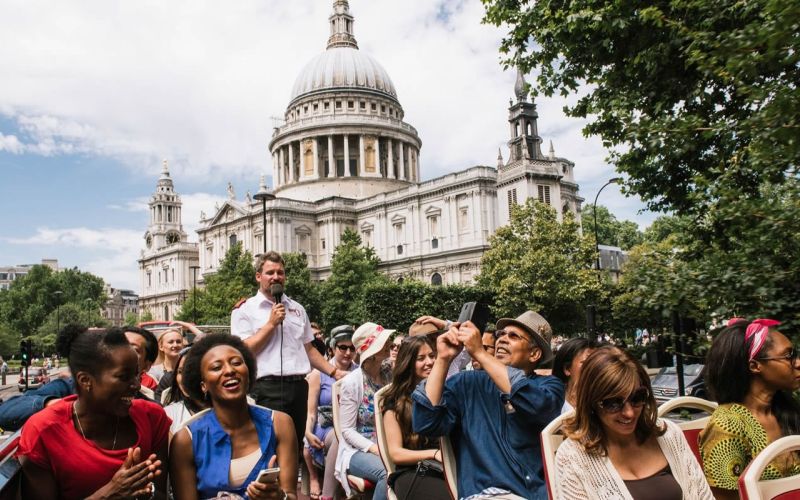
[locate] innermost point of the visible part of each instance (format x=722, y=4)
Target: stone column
x=389, y=159
x=276, y=178
x=281, y=172
x=291, y=163
x=378, y=156
x=402, y=147
x=362, y=161
x=346, y=156
x=315, y=163
x=331, y=162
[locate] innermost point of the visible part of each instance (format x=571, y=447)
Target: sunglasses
x=345, y=348
x=514, y=336
x=791, y=356
x=637, y=399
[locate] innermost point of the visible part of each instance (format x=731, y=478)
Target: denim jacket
x=495, y=435
x=212, y=452
x=17, y=410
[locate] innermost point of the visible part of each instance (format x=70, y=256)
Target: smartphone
x=475, y=312
x=268, y=475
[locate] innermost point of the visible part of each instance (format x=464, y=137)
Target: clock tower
x=166, y=262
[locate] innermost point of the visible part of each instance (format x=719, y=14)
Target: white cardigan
x=580, y=475
x=350, y=397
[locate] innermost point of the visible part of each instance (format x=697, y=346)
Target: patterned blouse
x=729, y=442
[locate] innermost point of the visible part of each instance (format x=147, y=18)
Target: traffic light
x=25, y=352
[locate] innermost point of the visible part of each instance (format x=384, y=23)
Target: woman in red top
x=100, y=443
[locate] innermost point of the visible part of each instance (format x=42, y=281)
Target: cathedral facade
x=344, y=157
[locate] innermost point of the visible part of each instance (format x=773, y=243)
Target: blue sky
x=93, y=95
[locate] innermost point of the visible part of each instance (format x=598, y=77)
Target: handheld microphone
x=276, y=289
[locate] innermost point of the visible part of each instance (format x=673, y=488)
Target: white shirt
x=296, y=332
x=351, y=397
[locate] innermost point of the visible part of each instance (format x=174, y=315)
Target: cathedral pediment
x=229, y=210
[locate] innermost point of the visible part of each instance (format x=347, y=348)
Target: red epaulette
x=239, y=304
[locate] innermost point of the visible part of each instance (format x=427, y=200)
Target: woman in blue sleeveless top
x=225, y=449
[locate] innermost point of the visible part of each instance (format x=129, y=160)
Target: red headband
x=757, y=333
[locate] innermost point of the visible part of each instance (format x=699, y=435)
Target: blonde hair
x=609, y=372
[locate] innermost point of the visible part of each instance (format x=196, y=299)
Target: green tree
x=44, y=340
x=610, y=230
x=697, y=102
x=398, y=305
x=26, y=305
x=539, y=263
x=694, y=96
x=300, y=287
x=130, y=319
x=353, y=267
x=234, y=280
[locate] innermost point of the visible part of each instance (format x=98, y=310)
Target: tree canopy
x=32, y=302
x=536, y=262
x=694, y=96
x=353, y=267
x=235, y=279
x=697, y=103
x=610, y=230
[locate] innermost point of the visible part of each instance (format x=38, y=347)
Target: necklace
x=80, y=427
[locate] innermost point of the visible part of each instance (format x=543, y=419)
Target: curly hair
x=404, y=380
x=192, y=375
x=607, y=373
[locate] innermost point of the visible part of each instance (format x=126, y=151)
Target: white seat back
x=751, y=487
x=552, y=437
x=450, y=466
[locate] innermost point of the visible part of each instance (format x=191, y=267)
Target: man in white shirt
x=280, y=336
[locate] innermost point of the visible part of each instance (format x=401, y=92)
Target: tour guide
x=280, y=336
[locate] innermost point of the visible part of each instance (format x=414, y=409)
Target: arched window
x=166, y=313
x=436, y=279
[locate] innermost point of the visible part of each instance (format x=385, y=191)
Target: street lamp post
x=613, y=180
x=58, y=294
x=591, y=311
x=194, y=293
x=263, y=195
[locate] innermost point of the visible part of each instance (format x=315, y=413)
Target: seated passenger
x=322, y=446
x=751, y=371
x=17, y=410
x=224, y=450
x=358, y=452
x=179, y=406
x=102, y=442
x=567, y=365
x=418, y=459
x=494, y=416
x=616, y=446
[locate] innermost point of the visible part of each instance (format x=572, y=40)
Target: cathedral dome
x=343, y=68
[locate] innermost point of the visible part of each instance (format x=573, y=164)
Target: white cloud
x=10, y=144
x=110, y=253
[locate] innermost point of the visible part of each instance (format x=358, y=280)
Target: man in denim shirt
x=493, y=416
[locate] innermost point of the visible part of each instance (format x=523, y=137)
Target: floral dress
x=366, y=412
x=729, y=442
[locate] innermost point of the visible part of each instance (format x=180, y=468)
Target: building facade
x=345, y=158
x=8, y=274
x=119, y=303
x=165, y=264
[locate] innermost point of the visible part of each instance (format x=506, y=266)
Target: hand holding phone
x=268, y=475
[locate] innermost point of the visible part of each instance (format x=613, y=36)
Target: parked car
x=36, y=378
x=665, y=384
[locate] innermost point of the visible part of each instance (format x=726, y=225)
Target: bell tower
x=525, y=143
x=165, y=227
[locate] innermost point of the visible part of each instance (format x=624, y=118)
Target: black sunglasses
x=345, y=348
x=637, y=399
